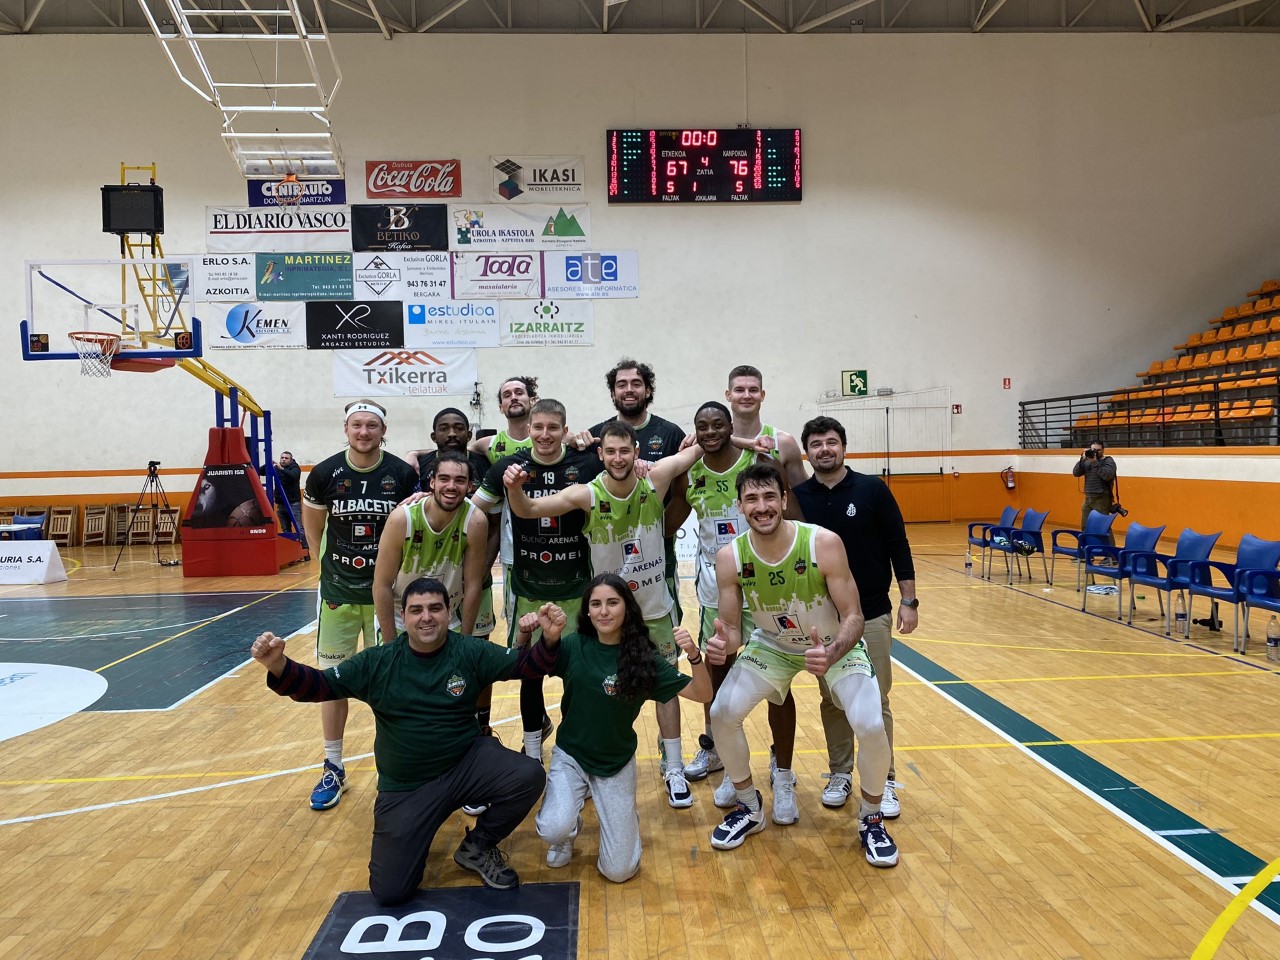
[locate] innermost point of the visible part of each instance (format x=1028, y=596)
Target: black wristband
x=694, y=663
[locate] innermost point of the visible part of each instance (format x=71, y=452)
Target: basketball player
x=804, y=603
x=348, y=499
x=624, y=526
x=516, y=397
x=551, y=561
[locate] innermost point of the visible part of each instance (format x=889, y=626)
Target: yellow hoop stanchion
x=1226, y=920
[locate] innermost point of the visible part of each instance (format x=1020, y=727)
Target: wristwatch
x=913, y=603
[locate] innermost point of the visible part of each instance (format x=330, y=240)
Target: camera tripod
x=153, y=492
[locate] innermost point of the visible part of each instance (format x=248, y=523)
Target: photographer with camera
x=1099, y=472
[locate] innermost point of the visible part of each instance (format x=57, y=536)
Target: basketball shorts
x=341, y=625
x=778, y=669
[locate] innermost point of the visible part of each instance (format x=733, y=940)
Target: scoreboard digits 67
x=703, y=166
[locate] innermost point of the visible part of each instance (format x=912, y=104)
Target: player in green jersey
x=516, y=397
x=624, y=520
x=610, y=666
x=804, y=603
x=347, y=501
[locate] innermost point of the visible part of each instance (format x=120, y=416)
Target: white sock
x=783, y=774
x=750, y=799
x=868, y=809
x=333, y=752
x=533, y=744
x=672, y=748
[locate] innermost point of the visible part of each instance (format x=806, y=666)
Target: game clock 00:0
x=703, y=166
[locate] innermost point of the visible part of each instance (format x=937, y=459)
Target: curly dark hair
x=637, y=666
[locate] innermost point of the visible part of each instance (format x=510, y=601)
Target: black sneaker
x=881, y=850
x=489, y=862
x=547, y=727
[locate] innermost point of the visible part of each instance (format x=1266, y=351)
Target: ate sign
x=853, y=383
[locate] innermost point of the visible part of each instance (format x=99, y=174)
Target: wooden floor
x=1022, y=727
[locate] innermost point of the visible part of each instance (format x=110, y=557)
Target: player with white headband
x=347, y=501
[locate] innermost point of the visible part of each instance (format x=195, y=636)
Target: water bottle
x=968, y=563
x=1273, y=640
x=1180, y=614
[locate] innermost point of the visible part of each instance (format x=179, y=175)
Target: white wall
x=1056, y=209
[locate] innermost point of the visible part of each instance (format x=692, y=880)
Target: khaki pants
x=1100, y=502
x=878, y=636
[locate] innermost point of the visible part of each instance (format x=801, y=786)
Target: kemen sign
x=404, y=373
x=255, y=325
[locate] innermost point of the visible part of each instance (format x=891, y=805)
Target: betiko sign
x=404, y=373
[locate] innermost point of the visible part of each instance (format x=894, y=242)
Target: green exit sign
x=853, y=383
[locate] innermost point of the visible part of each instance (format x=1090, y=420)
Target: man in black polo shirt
x=861, y=510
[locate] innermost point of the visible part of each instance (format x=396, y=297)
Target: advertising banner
x=404, y=373
x=457, y=324
x=255, y=325
x=262, y=193
x=303, y=276
x=416, y=277
x=538, y=179
x=225, y=277
x=404, y=226
x=354, y=324
x=547, y=323
x=591, y=276
x=496, y=276
x=531, y=226
x=248, y=229
x=412, y=179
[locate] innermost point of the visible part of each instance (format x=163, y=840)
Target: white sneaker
x=837, y=790
x=784, y=799
x=705, y=762
x=559, y=854
x=889, y=805
x=725, y=796
x=738, y=824
x=881, y=850
x=475, y=811
x=678, y=793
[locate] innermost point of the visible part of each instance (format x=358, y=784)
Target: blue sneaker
x=331, y=787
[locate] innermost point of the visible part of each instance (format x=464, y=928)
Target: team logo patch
x=331, y=605
x=417, y=538
x=610, y=685
x=633, y=585
x=851, y=511
x=631, y=552
x=549, y=523
x=699, y=483
x=456, y=685
x=388, y=484
x=749, y=570
x=786, y=623
x=606, y=506
x=726, y=528
x=571, y=473
x=800, y=566
x=363, y=532
x=344, y=486
x=655, y=444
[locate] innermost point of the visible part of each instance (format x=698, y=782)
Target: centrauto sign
x=354, y=324
x=404, y=373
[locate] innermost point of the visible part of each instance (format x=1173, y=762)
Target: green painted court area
x=1217, y=855
x=154, y=650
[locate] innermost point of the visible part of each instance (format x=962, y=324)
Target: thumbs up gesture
x=268, y=650
x=816, y=660
x=718, y=644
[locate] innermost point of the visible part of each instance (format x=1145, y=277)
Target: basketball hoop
x=289, y=191
x=96, y=351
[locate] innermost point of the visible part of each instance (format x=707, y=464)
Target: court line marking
x=32, y=818
x=1088, y=650
x=1217, y=931
x=1194, y=862
x=234, y=610
x=132, y=596
x=1111, y=676
x=114, y=633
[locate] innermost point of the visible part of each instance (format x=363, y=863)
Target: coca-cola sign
x=413, y=179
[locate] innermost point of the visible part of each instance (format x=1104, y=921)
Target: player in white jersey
x=804, y=602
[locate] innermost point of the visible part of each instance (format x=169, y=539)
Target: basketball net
x=96, y=351
x=289, y=191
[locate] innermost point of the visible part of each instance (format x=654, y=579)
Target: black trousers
x=405, y=822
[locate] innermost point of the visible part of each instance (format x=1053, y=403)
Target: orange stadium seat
x=1231, y=313
x=1272, y=349
x=1274, y=325
x=1201, y=361
x=1217, y=358
x=1241, y=330
x=1258, y=328
x=1262, y=306
x=1209, y=336
x=1245, y=309
x=1235, y=355
x=1184, y=362
x=1169, y=366
x=1194, y=340
x=1253, y=352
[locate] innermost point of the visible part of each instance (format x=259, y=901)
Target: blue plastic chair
x=982, y=539
x=34, y=525
x=1254, y=554
x=1145, y=570
x=1137, y=539
x=1260, y=588
x=1022, y=541
x=1097, y=529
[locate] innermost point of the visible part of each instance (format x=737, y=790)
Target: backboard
x=145, y=301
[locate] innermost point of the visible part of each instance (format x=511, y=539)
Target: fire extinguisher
x=1010, y=481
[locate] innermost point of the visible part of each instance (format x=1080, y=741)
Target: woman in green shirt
x=610, y=667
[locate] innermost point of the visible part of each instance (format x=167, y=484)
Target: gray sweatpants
x=568, y=787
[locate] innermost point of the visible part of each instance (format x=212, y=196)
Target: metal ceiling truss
x=390, y=17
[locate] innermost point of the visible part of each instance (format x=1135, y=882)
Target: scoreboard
x=703, y=166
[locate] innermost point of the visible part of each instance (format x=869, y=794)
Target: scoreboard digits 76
x=702, y=165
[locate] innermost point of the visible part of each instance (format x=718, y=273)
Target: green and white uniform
x=503, y=446
x=434, y=553
x=714, y=498
x=787, y=600
x=625, y=534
